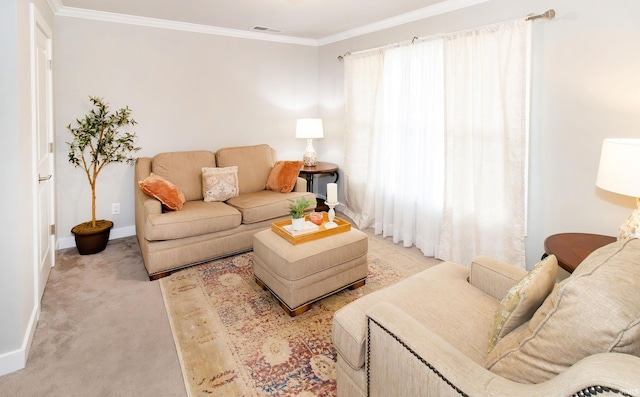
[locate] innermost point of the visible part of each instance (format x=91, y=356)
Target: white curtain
x=410, y=130
x=363, y=75
x=486, y=89
x=396, y=137
x=436, y=142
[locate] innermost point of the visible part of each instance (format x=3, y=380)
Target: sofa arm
x=144, y=205
x=494, y=277
x=404, y=358
x=301, y=185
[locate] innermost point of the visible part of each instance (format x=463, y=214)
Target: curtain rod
x=549, y=14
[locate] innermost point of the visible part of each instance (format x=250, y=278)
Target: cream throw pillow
x=596, y=310
x=219, y=184
x=523, y=299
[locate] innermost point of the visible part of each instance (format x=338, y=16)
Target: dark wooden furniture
x=572, y=248
x=320, y=168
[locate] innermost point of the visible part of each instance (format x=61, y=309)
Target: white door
x=42, y=124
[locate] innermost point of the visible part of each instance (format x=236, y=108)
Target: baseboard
x=15, y=360
x=69, y=242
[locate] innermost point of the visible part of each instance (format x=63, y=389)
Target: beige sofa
x=201, y=231
x=428, y=335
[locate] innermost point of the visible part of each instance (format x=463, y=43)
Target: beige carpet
x=233, y=339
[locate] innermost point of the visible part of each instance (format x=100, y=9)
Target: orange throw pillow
x=283, y=176
x=168, y=193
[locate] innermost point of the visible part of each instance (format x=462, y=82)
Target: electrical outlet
x=115, y=208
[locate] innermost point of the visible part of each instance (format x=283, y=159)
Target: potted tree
x=296, y=209
x=98, y=141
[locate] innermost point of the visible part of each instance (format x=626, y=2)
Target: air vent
x=265, y=29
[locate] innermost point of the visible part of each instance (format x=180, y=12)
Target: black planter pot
x=92, y=240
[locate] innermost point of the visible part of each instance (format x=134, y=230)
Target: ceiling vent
x=265, y=29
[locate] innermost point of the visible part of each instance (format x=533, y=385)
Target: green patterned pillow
x=523, y=299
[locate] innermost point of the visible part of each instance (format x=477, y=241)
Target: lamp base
x=631, y=227
x=310, y=158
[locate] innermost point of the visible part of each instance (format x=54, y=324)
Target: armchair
x=428, y=335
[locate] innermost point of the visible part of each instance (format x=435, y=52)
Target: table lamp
x=619, y=172
x=309, y=129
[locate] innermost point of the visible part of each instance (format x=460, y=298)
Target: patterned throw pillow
x=283, y=176
x=161, y=189
x=219, y=184
x=523, y=299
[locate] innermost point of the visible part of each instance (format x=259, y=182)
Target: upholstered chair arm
x=301, y=185
x=494, y=277
x=406, y=359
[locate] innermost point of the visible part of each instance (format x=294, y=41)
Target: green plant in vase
x=296, y=209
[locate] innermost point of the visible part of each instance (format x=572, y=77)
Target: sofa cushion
x=163, y=190
x=195, y=219
x=283, y=176
x=595, y=310
x=184, y=169
x=254, y=165
x=219, y=184
x=455, y=310
x=523, y=299
x=265, y=204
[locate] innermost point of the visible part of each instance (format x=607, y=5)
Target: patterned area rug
x=233, y=339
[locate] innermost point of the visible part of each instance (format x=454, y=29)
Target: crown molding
x=104, y=16
x=439, y=8
x=412, y=16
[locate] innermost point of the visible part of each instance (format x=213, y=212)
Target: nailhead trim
x=595, y=390
x=428, y=365
x=586, y=392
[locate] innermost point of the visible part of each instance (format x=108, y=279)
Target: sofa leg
x=158, y=276
x=358, y=284
x=261, y=284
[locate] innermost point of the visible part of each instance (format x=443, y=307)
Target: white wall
x=187, y=91
x=586, y=87
x=18, y=305
x=190, y=90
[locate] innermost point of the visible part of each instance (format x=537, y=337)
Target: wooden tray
x=278, y=228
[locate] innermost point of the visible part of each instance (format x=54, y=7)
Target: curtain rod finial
x=549, y=14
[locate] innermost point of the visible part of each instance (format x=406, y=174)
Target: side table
x=319, y=169
x=572, y=248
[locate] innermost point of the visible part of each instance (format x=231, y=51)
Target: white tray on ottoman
x=298, y=275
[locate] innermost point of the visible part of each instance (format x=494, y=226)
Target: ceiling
x=313, y=20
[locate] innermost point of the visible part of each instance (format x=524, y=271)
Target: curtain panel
x=486, y=96
x=364, y=73
x=435, y=149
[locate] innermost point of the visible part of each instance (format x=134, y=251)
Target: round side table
x=572, y=248
x=319, y=169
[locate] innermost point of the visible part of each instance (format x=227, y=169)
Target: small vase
x=297, y=224
x=316, y=217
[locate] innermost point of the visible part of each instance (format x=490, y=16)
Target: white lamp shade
x=309, y=128
x=619, y=169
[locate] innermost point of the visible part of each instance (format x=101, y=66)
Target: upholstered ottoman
x=298, y=275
